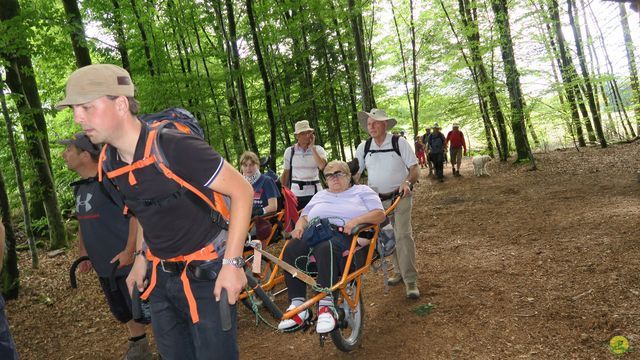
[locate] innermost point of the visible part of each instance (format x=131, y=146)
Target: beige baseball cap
x=91, y=82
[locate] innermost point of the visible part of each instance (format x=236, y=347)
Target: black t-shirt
x=104, y=229
x=175, y=221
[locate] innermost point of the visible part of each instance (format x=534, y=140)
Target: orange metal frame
x=275, y=278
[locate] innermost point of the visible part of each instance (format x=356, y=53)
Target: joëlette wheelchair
x=347, y=335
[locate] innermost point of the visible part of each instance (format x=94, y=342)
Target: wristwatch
x=237, y=261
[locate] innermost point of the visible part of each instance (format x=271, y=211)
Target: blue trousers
x=177, y=337
x=7, y=346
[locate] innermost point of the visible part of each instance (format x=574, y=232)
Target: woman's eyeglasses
x=335, y=175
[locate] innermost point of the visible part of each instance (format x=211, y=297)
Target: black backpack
x=394, y=146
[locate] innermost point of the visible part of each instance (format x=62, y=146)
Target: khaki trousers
x=404, y=258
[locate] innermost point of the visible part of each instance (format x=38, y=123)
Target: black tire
x=347, y=336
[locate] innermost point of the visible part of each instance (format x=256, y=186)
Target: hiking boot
x=394, y=279
x=412, y=291
x=295, y=321
x=326, y=321
x=138, y=350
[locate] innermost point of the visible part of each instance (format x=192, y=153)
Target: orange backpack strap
x=101, y=159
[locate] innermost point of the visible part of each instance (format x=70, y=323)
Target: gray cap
x=82, y=142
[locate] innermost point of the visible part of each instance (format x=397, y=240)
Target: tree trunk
x=225, y=58
x=414, y=64
x=368, y=101
x=346, y=61
x=404, y=64
x=121, y=39
x=614, y=83
x=221, y=131
x=513, y=82
x=468, y=16
x=143, y=35
x=10, y=275
x=593, y=105
x=278, y=83
x=236, y=75
x=266, y=83
x=631, y=59
x=486, y=121
x=21, y=81
x=78, y=39
x=482, y=102
x=19, y=180
x=46, y=191
x=565, y=65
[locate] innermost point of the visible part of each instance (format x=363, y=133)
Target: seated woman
x=265, y=195
x=345, y=206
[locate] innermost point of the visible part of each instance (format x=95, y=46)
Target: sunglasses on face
x=335, y=175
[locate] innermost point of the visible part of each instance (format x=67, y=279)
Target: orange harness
x=206, y=253
x=153, y=155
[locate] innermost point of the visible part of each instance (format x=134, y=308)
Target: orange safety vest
x=153, y=155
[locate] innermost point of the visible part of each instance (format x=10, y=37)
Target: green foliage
x=187, y=65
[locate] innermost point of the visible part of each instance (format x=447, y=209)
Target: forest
x=520, y=76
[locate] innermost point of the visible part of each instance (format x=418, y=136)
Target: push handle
x=225, y=310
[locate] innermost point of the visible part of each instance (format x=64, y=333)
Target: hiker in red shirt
x=456, y=143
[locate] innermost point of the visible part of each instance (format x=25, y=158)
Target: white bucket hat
x=455, y=125
x=436, y=126
x=302, y=126
x=377, y=115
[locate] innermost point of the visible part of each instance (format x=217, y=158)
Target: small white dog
x=480, y=165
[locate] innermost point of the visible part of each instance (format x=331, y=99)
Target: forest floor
x=522, y=264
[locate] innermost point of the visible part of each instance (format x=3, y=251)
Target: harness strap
x=219, y=200
x=206, y=253
x=129, y=169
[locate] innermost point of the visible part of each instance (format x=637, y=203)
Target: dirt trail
x=521, y=264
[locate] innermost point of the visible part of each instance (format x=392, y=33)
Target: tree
x=513, y=81
x=266, y=83
x=469, y=19
x=19, y=179
x=631, y=59
x=565, y=66
x=593, y=105
x=368, y=101
x=22, y=83
x=78, y=40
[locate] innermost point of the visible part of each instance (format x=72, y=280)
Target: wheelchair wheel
x=347, y=336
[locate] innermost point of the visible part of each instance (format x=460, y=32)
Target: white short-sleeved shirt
x=344, y=206
x=304, y=168
x=386, y=170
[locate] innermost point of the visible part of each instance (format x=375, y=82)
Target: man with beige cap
x=176, y=229
x=302, y=164
x=389, y=171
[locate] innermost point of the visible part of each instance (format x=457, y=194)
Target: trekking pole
x=72, y=271
x=140, y=310
x=112, y=276
x=225, y=310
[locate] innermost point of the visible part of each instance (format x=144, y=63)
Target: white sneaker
x=296, y=320
x=326, y=322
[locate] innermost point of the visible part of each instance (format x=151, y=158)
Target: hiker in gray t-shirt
x=106, y=236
